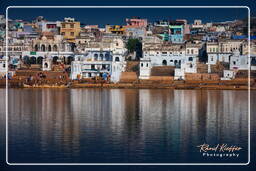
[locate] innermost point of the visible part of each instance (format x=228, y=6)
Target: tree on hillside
x=203, y=57
x=135, y=45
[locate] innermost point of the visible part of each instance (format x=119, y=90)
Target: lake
x=124, y=125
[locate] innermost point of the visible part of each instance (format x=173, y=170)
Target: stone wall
x=162, y=71
x=201, y=76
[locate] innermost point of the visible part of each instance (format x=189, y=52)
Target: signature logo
x=219, y=150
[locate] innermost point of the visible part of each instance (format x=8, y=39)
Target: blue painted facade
x=176, y=33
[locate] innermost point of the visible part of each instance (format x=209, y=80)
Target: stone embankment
x=54, y=79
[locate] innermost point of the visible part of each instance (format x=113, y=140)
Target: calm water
x=122, y=125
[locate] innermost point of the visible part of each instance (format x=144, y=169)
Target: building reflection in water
x=122, y=125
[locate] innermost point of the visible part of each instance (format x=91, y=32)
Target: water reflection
x=122, y=125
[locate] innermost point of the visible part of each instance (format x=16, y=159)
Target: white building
x=145, y=68
x=238, y=62
x=98, y=63
x=183, y=58
x=228, y=75
x=2, y=67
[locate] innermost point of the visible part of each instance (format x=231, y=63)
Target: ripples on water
x=123, y=125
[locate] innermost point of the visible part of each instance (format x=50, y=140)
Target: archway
x=39, y=60
x=55, y=60
x=70, y=59
x=175, y=62
x=26, y=60
x=36, y=48
x=32, y=60
x=55, y=48
x=117, y=59
x=164, y=62
x=95, y=57
x=43, y=48
x=49, y=48
x=46, y=65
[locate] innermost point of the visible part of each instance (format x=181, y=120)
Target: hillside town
x=140, y=53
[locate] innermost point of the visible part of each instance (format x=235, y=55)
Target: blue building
x=176, y=33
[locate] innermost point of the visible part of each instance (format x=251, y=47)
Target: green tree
x=135, y=45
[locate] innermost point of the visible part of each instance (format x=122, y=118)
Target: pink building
x=136, y=22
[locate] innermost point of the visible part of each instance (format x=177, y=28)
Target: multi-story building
x=176, y=33
x=222, y=50
x=99, y=63
x=136, y=22
x=70, y=29
x=182, y=57
x=115, y=29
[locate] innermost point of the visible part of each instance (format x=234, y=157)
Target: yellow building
x=116, y=29
x=70, y=29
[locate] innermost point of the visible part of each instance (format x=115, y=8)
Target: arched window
x=164, y=62
x=70, y=59
x=32, y=60
x=49, y=48
x=55, y=59
x=43, y=48
x=101, y=57
x=55, y=48
x=26, y=59
x=96, y=56
x=117, y=58
x=39, y=60
x=36, y=47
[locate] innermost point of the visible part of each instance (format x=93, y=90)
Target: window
x=141, y=64
x=92, y=66
x=72, y=33
x=71, y=25
x=190, y=59
x=192, y=51
x=63, y=25
x=147, y=64
x=171, y=60
x=164, y=62
x=63, y=33
x=164, y=53
x=96, y=57
x=117, y=59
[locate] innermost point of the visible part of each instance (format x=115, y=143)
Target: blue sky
x=117, y=16
x=104, y=16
